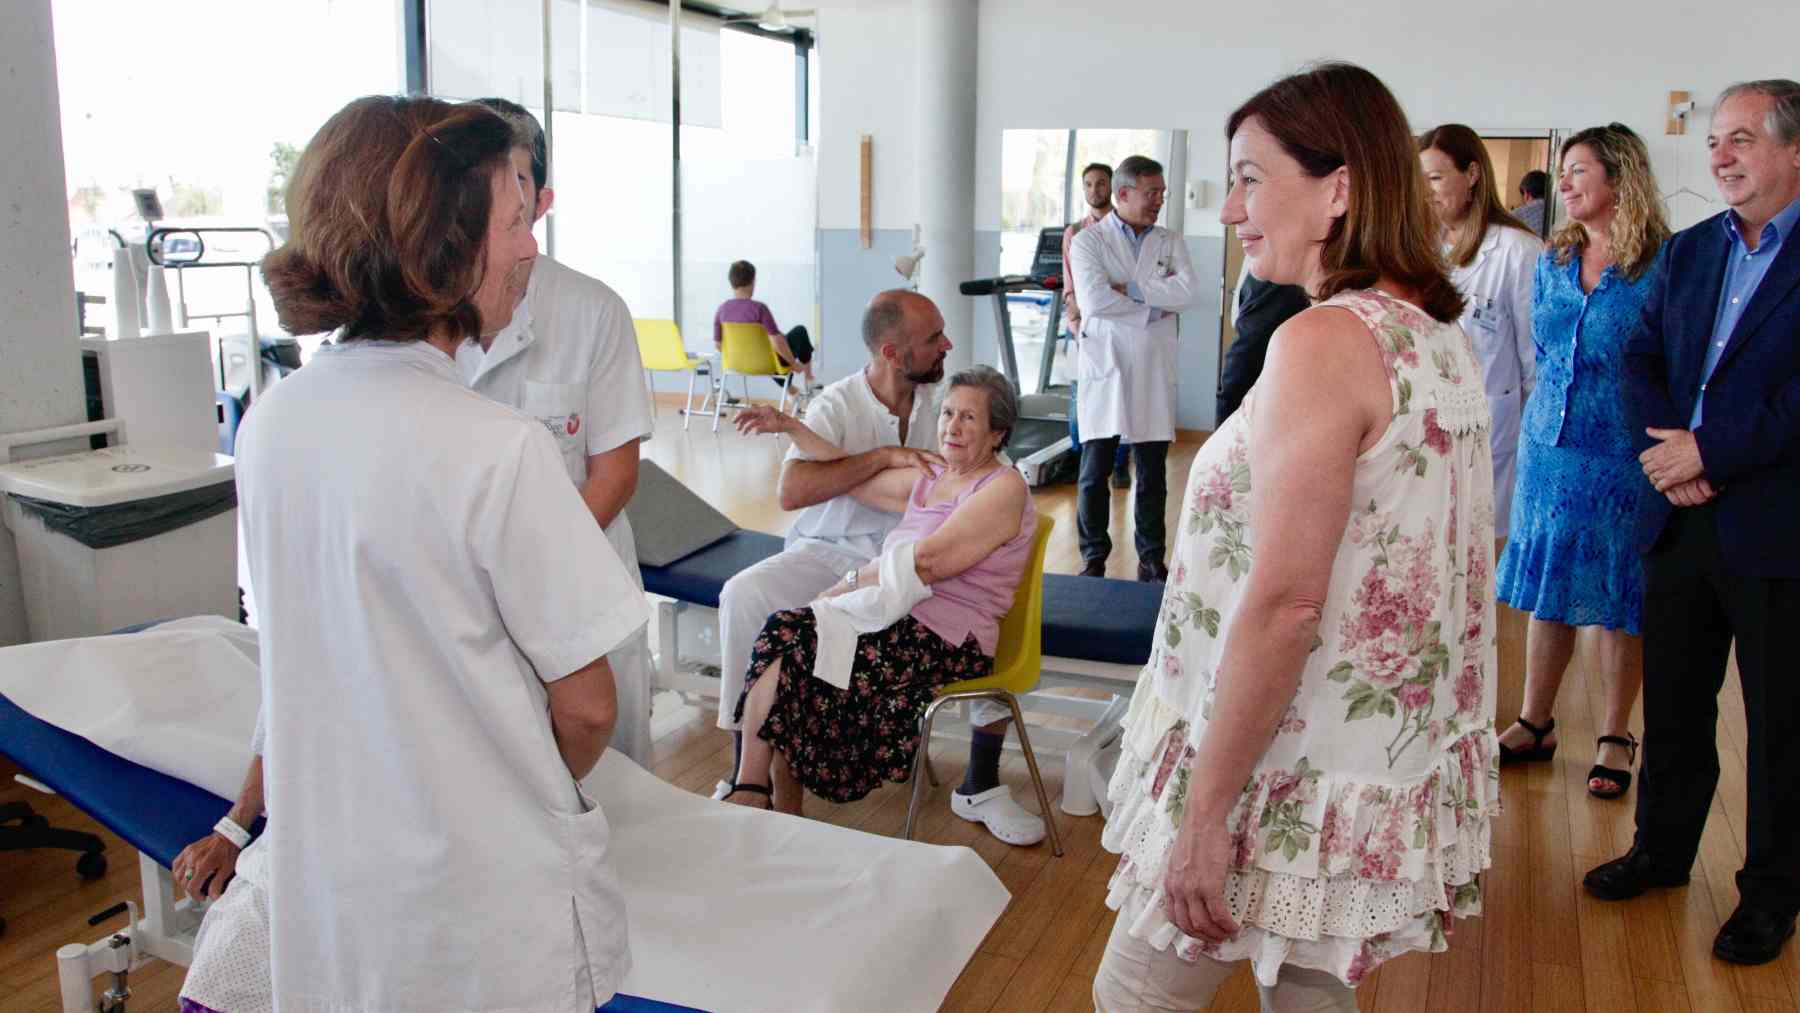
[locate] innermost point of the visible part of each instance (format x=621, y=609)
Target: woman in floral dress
x=1309, y=772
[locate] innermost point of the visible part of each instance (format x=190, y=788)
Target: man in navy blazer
x=1713, y=385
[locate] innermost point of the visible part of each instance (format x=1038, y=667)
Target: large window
x=748, y=192
x=747, y=189
x=1040, y=188
x=208, y=102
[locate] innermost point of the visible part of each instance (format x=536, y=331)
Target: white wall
x=866, y=86
x=40, y=385
x=1175, y=64
x=1533, y=64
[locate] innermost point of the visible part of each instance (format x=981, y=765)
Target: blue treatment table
x=158, y=815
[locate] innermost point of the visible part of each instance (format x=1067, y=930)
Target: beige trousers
x=1136, y=977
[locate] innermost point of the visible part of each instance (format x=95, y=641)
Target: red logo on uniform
x=573, y=426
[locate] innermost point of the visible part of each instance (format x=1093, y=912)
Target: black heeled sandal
x=1622, y=778
x=1537, y=752
x=754, y=789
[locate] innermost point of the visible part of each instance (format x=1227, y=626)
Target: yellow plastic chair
x=1018, y=659
x=663, y=351
x=746, y=351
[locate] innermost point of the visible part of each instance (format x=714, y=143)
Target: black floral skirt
x=843, y=743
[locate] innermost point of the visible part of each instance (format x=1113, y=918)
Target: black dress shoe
x=1625, y=878
x=1753, y=935
x=1153, y=572
x=1094, y=568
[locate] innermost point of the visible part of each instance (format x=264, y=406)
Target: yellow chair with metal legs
x=663, y=351
x=1018, y=659
x=746, y=351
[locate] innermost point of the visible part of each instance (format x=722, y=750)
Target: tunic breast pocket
x=560, y=407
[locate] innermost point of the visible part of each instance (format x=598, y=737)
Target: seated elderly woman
x=969, y=528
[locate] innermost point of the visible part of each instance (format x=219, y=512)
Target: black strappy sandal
x=754, y=789
x=1622, y=778
x=1537, y=752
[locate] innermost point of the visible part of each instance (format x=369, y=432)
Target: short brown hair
x=389, y=214
x=741, y=274
x=1338, y=115
x=1463, y=147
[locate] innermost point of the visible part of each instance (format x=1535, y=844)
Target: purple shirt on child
x=742, y=311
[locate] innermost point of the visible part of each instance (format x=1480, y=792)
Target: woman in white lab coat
x=437, y=601
x=1493, y=258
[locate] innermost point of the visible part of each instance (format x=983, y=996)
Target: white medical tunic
x=1496, y=289
x=424, y=569
x=848, y=415
x=569, y=359
x=1125, y=355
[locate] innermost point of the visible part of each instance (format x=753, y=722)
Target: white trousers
x=788, y=580
x=1136, y=977
x=634, y=674
x=633, y=677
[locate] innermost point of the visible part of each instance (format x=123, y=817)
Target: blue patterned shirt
x=1744, y=271
x=1579, y=399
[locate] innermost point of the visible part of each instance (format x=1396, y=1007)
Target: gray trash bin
x=122, y=535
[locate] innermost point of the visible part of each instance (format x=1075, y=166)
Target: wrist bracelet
x=229, y=829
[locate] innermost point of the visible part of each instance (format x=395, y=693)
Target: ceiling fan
x=776, y=18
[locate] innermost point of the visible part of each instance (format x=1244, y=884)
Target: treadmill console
x=1047, y=264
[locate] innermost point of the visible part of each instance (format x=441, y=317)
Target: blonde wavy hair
x=1639, y=227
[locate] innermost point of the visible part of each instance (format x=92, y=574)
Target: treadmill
x=1040, y=447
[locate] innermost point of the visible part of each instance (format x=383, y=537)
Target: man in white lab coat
x=569, y=359
x=1131, y=278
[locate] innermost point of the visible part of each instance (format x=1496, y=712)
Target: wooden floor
x=1542, y=945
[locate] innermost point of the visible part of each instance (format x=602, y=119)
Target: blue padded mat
x=1100, y=620
x=623, y=1003
x=698, y=577
x=1084, y=617
x=110, y=789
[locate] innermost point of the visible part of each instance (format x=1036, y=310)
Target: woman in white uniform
x=1493, y=258
x=569, y=359
x=437, y=601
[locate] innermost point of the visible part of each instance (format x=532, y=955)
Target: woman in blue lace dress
x=1571, y=561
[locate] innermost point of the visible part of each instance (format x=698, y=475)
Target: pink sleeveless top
x=973, y=601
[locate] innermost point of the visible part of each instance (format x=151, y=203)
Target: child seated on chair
x=794, y=348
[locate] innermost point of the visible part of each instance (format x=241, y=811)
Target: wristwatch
x=850, y=578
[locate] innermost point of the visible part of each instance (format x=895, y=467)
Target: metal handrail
x=153, y=245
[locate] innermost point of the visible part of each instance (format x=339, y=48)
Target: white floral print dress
x=1366, y=822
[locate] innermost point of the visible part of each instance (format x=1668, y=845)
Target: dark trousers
x=1693, y=608
x=1093, y=499
x=1121, y=457
x=801, y=344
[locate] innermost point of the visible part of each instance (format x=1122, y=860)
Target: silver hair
x=1003, y=401
x=1783, y=120
x=1134, y=168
